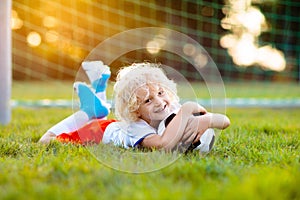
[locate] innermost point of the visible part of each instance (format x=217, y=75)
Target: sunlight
x=34, y=39
x=246, y=22
x=244, y=52
x=16, y=22
x=271, y=58
x=228, y=41
x=253, y=20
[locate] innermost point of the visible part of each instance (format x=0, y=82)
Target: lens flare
x=189, y=49
x=153, y=47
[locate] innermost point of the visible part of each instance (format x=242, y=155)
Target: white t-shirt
x=127, y=135
x=131, y=134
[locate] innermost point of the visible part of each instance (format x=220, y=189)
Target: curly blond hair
x=133, y=77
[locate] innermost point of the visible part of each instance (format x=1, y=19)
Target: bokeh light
x=153, y=47
x=228, y=41
x=70, y=29
x=51, y=36
x=34, y=39
x=253, y=20
x=16, y=22
x=201, y=60
x=246, y=23
x=160, y=39
x=244, y=51
x=189, y=49
x=271, y=58
x=49, y=21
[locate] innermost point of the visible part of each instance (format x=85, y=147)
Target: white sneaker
x=95, y=69
x=207, y=141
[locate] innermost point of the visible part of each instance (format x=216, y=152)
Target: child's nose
x=158, y=101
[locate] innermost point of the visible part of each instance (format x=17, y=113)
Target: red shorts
x=91, y=133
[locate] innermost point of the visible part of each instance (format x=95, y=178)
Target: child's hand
x=219, y=121
x=201, y=109
x=194, y=129
x=193, y=107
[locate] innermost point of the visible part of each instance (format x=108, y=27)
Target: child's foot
x=100, y=84
x=98, y=74
x=89, y=102
x=207, y=141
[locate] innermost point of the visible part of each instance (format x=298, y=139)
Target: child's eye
x=147, y=101
x=161, y=92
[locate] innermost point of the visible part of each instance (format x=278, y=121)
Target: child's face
x=154, y=103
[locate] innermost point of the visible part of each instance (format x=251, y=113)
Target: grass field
x=257, y=157
x=63, y=90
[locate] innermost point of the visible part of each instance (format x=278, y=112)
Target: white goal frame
x=5, y=61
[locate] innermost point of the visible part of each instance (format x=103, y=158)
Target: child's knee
x=47, y=137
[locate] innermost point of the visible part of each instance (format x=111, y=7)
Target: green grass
x=63, y=90
x=257, y=157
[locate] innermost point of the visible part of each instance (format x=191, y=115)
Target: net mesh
x=52, y=38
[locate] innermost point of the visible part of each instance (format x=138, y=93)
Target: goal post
x=5, y=61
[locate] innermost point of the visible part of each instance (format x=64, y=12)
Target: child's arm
x=175, y=129
x=218, y=121
x=203, y=122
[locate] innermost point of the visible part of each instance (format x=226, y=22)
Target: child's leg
x=90, y=107
x=69, y=124
x=92, y=101
x=91, y=133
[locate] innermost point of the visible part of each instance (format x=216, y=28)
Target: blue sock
x=90, y=104
x=100, y=84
